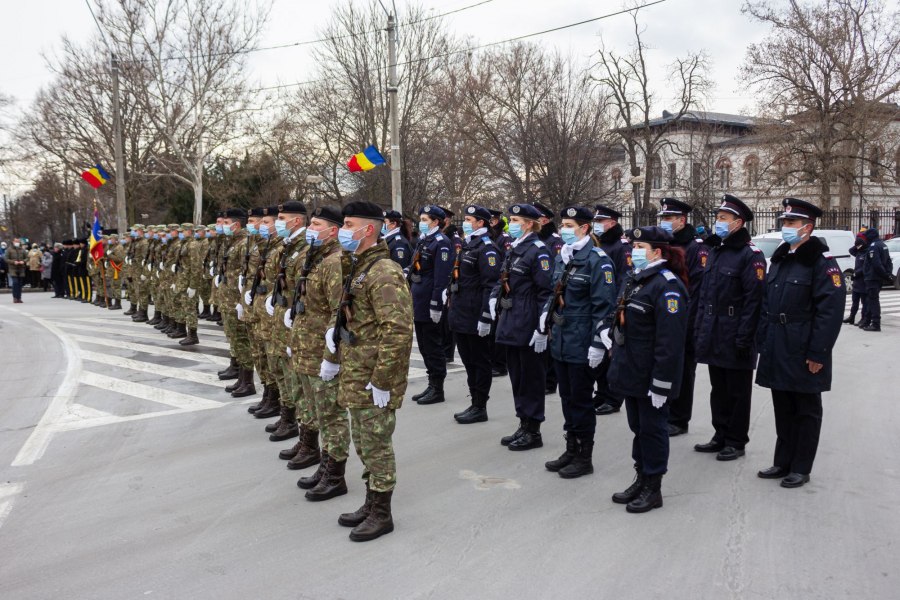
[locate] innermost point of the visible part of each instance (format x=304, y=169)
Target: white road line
x=143, y=327
x=8, y=492
x=146, y=367
x=146, y=392
x=157, y=337
x=159, y=351
x=114, y=420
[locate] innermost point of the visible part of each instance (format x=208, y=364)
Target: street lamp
x=315, y=180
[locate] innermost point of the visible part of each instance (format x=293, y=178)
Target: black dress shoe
x=730, y=453
x=772, y=473
x=794, y=480
x=606, y=409
x=549, y=390
x=499, y=372
x=710, y=447
x=676, y=430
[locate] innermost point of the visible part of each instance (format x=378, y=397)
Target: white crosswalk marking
x=8, y=493
x=147, y=392
x=194, y=356
x=144, y=335
x=147, y=367
x=108, y=324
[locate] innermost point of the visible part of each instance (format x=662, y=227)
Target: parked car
x=893, y=246
x=839, y=243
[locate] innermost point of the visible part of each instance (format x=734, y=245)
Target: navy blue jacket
x=614, y=243
x=551, y=239
x=590, y=298
x=801, y=318
x=435, y=264
x=656, y=321
x=859, y=275
x=479, y=270
x=729, y=301
x=399, y=249
x=696, y=254
x=529, y=284
x=875, y=267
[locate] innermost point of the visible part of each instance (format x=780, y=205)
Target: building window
x=673, y=176
x=696, y=175
x=723, y=173
x=616, y=179
x=751, y=165
x=656, y=172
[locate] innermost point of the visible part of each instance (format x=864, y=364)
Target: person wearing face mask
x=130, y=272
x=725, y=328
x=648, y=357
x=551, y=238
x=429, y=276
x=115, y=267
x=876, y=271
x=81, y=266
x=801, y=320
x=16, y=261
x=617, y=247
x=673, y=217
x=372, y=351
x=397, y=238
x=584, y=282
x=858, y=252
x=188, y=267
x=58, y=270
x=234, y=227
x=204, y=248
x=154, y=254
x=469, y=316
x=504, y=242
x=516, y=303
x=217, y=259
x=167, y=302
x=451, y=232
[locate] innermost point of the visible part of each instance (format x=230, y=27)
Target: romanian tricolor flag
x=96, y=176
x=96, y=241
x=365, y=160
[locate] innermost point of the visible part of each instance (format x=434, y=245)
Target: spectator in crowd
x=58, y=270
x=16, y=258
x=3, y=270
x=46, y=269
x=34, y=266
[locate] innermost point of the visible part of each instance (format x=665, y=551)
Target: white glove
x=270, y=306
x=148, y=268
x=212, y=271
x=435, y=315
x=240, y=310
x=484, y=329
x=172, y=287
x=329, y=340
x=380, y=397
x=444, y=296
x=216, y=281
x=604, y=337
x=288, y=321
x=657, y=399
x=492, y=307
x=143, y=278
x=595, y=357
x=173, y=268
x=191, y=292
x=539, y=341
x=241, y=283
x=247, y=297
x=328, y=370
x=289, y=353
x=542, y=322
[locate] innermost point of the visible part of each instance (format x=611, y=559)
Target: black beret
x=393, y=215
x=234, y=213
x=447, y=211
x=271, y=211
x=671, y=206
x=495, y=213
x=363, y=210
x=800, y=209
x=545, y=212
x=256, y=211
x=435, y=212
x=578, y=213
x=651, y=235
x=329, y=213
x=221, y=214
x=525, y=210
x=734, y=205
x=479, y=212
x=605, y=212
x=292, y=206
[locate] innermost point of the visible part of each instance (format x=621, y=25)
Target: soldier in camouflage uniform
x=230, y=296
x=167, y=279
x=222, y=242
x=132, y=270
x=93, y=271
x=206, y=248
x=187, y=282
x=152, y=272
x=373, y=368
x=115, y=264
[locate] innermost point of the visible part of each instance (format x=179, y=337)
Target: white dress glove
x=172, y=287
x=289, y=353
x=604, y=337
x=241, y=283
x=173, y=268
x=329, y=340
x=270, y=306
x=191, y=292
x=240, y=310
x=380, y=397
x=484, y=329
x=288, y=321
x=595, y=357
x=539, y=341
x=542, y=322
x=435, y=315
x=328, y=370
x=143, y=278
x=247, y=297
x=657, y=399
x=212, y=271
x=492, y=307
x=444, y=296
x=216, y=281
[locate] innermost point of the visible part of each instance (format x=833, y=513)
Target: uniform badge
x=492, y=261
x=609, y=277
x=444, y=255
x=628, y=260
x=399, y=252
x=760, y=272
x=703, y=260
x=672, y=305
x=545, y=265
x=836, y=280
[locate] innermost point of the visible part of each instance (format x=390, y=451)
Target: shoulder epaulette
x=623, y=240
x=752, y=247
x=668, y=274
x=486, y=240
x=827, y=254
x=698, y=240
x=599, y=251
x=438, y=237
x=556, y=235
x=539, y=244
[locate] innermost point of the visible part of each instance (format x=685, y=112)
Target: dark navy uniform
x=456, y=243
x=399, y=249
x=428, y=281
x=875, y=273
x=727, y=319
x=858, y=252
x=548, y=234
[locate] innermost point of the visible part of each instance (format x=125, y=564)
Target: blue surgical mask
x=345, y=237
x=568, y=235
x=791, y=235
x=515, y=230
x=424, y=227
x=312, y=238
x=384, y=230
x=281, y=229
x=639, y=258
x=264, y=232
x=228, y=229
x=147, y=236
x=666, y=225
x=220, y=229
x=180, y=235
x=165, y=240
x=722, y=229
x=197, y=235
x=134, y=234
x=252, y=229
x=467, y=228
x=599, y=228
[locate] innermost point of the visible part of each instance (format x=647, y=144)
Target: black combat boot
x=173, y=326
x=566, y=457
x=425, y=392
x=132, y=310
x=650, y=496
x=140, y=316
x=332, y=483
x=214, y=314
x=355, y=518
x=851, y=320
x=581, y=464
x=231, y=371
x=507, y=440
x=308, y=483
x=161, y=324
x=288, y=428
x=469, y=409
x=379, y=522
x=308, y=454
x=271, y=409
x=156, y=320
x=238, y=383
x=116, y=305
x=531, y=438
x=204, y=314
x=247, y=389
x=864, y=322
x=179, y=331
x=875, y=325
x=434, y=394
x=633, y=490
x=191, y=338
x=477, y=413
x=262, y=401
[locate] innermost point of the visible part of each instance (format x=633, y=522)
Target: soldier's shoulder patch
x=545, y=264
x=628, y=260
x=445, y=255
x=608, y=277
x=492, y=259
x=836, y=279
x=669, y=275
x=760, y=270
x=703, y=258
x=399, y=252
x=672, y=305
x=539, y=244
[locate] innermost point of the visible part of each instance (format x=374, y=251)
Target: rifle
x=557, y=299
x=619, y=316
x=343, y=316
x=502, y=301
x=414, y=268
x=299, y=307
x=281, y=278
x=258, y=287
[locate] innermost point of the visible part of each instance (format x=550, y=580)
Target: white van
x=893, y=246
x=839, y=243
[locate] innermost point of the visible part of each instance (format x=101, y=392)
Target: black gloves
x=743, y=352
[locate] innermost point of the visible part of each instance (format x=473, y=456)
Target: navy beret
x=435, y=212
x=734, y=205
x=495, y=213
x=271, y=211
x=447, y=211
x=545, y=212
x=363, y=210
x=329, y=213
x=234, y=213
x=479, y=212
x=525, y=210
x=651, y=235
x=292, y=206
x=578, y=213
x=800, y=209
x=393, y=215
x=671, y=206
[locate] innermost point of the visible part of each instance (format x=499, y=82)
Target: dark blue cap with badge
x=673, y=207
x=795, y=208
x=578, y=213
x=651, y=235
x=393, y=215
x=434, y=212
x=495, y=212
x=525, y=210
x=479, y=212
x=545, y=211
x=605, y=212
x=734, y=205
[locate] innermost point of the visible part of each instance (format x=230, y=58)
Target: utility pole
x=121, y=217
x=396, y=196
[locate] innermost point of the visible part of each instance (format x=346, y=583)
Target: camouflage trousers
x=303, y=400
x=279, y=370
x=206, y=292
x=260, y=358
x=371, y=430
x=330, y=416
x=238, y=338
x=97, y=284
x=141, y=293
x=114, y=287
x=187, y=309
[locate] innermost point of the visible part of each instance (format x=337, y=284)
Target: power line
x=488, y=45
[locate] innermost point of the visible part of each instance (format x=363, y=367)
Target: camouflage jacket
x=220, y=245
x=257, y=249
x=323, y=289
x=189, y=261
x=290, y=256
x=205, y=249
x=231, y=268
x=382, y=321
x=116, y=255
x=167, y=275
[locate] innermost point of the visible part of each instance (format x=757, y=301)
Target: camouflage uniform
x=207, y=256
x=156, y=250
x=167, y=276
x=257, y=250
x=115, y=268
x=220, y=245
x=139, y=273
x=235, y=330
x=382, y=321
x=187, y=279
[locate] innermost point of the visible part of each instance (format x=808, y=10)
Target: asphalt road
x=125, y=472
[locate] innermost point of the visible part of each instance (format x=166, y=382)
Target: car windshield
x=893, y=245
x=767, y=245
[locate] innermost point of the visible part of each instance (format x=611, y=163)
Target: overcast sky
x=673, y=28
